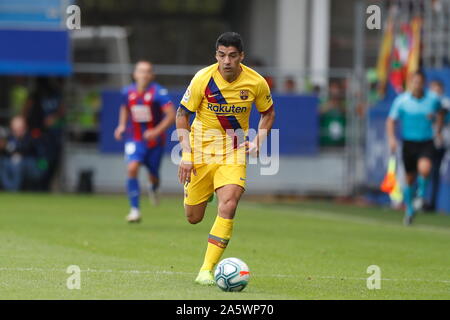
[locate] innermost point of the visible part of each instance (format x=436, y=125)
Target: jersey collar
x=134, y=86
x=225, y=82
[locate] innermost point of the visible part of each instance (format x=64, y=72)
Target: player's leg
x=435, y=178
x=196, y=195
x=153, y=191
x=221, y=231
x=408, y=196
x=409, y=156
x=195, y=213
x=153, y=163
x=134, y=154
x=197, y=192
x=133, y=191
x=424, y=166
x=229, y=182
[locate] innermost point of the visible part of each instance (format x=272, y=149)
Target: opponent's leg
x=153, y=162
x=435, y=178
x=408, y=197
x=154, y=189
x=424, y=168
x=133, y=191
x=221, y=231
x=410, y=157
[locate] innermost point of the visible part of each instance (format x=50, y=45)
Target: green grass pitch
x=310, y=250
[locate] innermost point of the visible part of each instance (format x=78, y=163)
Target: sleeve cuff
x=268, y=109
x=186, y=109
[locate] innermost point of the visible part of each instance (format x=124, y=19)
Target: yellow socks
x=218, y=239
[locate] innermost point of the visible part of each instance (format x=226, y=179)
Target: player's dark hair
x=230, y=39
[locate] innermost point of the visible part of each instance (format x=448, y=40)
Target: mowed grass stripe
x=309, y=251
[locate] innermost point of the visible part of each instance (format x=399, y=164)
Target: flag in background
x=406, y=53
x=414, y=52
x=391, y=184
x=385, y=53
x=396, y=195
x=389, y=181
x=400, y=56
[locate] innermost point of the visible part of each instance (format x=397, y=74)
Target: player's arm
x=265, y=125
x=183, y=129
x=169, y=118
x=390, y=125
x=440, y=123
x=264, y=104
x=121, y=127
x=390, y=132
x=188, y=105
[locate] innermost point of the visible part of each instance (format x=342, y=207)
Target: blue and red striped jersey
x=145, y=110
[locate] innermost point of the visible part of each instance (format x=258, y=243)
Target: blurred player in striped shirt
x=146, y=113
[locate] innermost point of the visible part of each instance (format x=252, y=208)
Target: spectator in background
x=20, y=169
x=332, y=117
x=44, y=112
x=18, y=95
x=372, y=95
x=256, y=63
x=336, y=99
x=3, y=142
x=289, y=85
x=317, y=90
x=437, y=87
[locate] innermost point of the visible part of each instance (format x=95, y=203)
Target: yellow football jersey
x=222, y=110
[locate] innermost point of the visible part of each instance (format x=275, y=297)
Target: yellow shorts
x=211, y=177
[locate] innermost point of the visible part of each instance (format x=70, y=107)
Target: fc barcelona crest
x=244, y=94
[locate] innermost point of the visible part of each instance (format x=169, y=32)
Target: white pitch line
x=312, y=277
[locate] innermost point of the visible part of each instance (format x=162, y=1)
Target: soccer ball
x=232, y=274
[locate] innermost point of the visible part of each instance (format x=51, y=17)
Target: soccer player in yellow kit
x=214, y=148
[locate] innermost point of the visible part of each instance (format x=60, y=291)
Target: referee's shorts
x=412, y=151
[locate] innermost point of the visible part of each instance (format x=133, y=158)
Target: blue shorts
x=140, y=152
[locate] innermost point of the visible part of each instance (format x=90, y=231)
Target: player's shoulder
x=159, y=89
x=402, y=97
x=128, y=88
x=253, y=74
